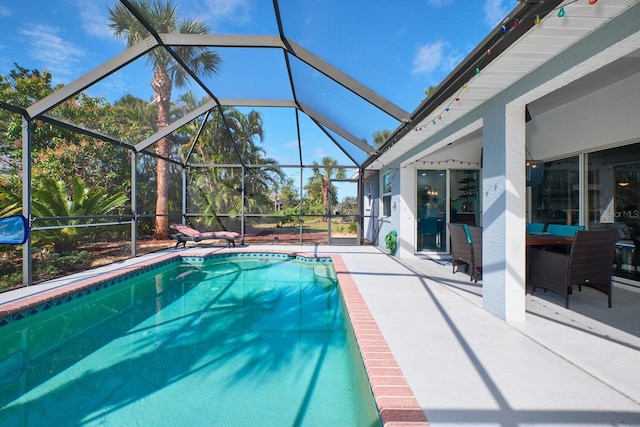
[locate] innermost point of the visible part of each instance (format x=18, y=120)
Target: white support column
x=406, y=205
x=27, y=261
x=503, y=216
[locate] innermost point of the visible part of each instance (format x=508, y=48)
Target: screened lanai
x=139, y=115
x=263, y=118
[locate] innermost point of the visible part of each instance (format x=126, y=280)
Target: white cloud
x=95, y=18
x=428, y=58
x=214, y=11
x=228, y=8
x=4, y=11
x=495, y=11
x=319, y=153
x=51, y=51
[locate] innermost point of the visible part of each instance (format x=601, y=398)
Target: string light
x=439, y=162
x=504, y=29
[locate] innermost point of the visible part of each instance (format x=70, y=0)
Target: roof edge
x=514, y=26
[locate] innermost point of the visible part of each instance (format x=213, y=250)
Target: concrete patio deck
x=467, y=367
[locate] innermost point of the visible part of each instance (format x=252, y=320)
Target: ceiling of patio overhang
x=553, y=35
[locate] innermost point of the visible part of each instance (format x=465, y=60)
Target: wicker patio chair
x=461, y=248
x=589, y=263
x=476, y=251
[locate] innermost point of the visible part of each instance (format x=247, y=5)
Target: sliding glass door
x=431, y=210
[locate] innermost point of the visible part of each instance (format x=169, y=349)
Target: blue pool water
x=237, y=341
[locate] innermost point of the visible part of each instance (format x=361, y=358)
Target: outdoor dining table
x=545, y=239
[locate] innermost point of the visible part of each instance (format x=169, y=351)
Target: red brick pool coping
x=393, y=395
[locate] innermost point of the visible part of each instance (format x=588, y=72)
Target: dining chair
x=564, y=230
x=476, y=248
x=589, y=263
x=429, y=227
x=535, y=227
x=461, y=251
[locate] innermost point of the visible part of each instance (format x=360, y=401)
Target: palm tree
x=218, y=189
x=428, y=92
x=163, y=16
x=55, y=199
x=259, y=182
x=325, y=174
x=380, y=136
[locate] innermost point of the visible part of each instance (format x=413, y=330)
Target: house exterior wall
x=605, y=117
x=387, y=224
x=407, y=212
x=602, y=118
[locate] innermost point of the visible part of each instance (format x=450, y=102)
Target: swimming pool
x=240, y=339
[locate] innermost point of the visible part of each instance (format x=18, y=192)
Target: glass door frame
x=432, y=212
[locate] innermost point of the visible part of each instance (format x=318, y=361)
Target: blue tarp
x=14, y=230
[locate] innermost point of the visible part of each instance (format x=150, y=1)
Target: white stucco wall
x=599, y=119
x=407, y=228
x=503, y=216
x=389, y=223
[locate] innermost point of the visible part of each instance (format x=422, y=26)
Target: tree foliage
x=220, y=189
x=61, y=203
x=319, y=188
x=167, y=72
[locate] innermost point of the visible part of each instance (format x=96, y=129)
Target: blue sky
x=398, y=49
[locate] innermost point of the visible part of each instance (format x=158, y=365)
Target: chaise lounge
x=183, y=234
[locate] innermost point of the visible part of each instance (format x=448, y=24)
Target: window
x=386, y=194
x=556, y=199
x=614, y=188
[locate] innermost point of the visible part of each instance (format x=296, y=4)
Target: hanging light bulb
x=537, y=20
x=561, y=12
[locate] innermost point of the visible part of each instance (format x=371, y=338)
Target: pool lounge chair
x=184, y=233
